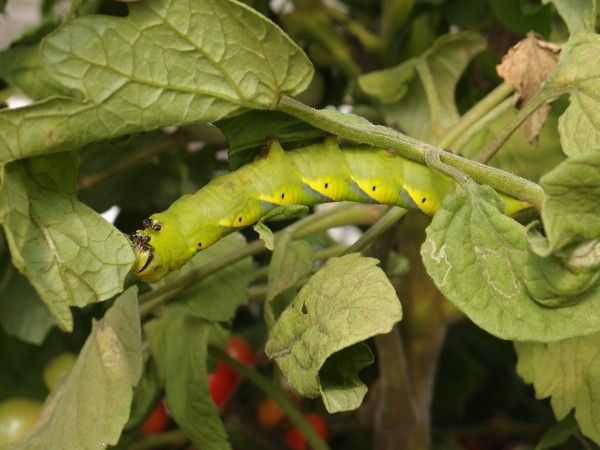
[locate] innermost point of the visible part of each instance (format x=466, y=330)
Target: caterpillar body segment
x=314, y=174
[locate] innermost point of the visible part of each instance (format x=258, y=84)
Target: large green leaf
x=90, y=408
x=571, y=209
x=346, y=302
x=179, y=346
x=166, y=63
x=480, y=260
x=418, y=95
x=69, y=253
x=217, y=297
x=579, y=15
x=568, y=372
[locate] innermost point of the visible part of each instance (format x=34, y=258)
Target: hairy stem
x=276, y=393
x=360, y=131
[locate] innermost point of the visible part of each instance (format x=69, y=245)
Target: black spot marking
x=374, y=187
x=282, y=196
x=239, y=219
x=199, y=244
x=148, y=261
x=304, y=309
x=423, y=200
x=326, y=185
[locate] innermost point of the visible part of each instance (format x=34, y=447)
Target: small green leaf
x=108, y=366
x=578, y=73
x=248, y=132
x=166, y=63
x=571, y=208
x=579, y=15
x=265, y=233
x=22, y=313
x=568, y=372
x=69, y=253
x=291, y=261
x=423, y=106
x=217, y=297
x=179, y=346
x=480, y=260
x=347, y=301
x=558, y=434
x=2, y=5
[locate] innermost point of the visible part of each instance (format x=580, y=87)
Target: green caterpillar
x=314, y=174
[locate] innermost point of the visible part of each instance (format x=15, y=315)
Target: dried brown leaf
x=526, y=66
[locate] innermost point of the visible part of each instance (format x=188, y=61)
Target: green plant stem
x=495, y=144
x=391, y=217
x=492, y=115
x=276, y=393
x=342, y=215
x=361, y=131
x=171, y=438
x=477, y=112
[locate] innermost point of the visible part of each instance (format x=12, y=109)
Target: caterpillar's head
x=158, y=250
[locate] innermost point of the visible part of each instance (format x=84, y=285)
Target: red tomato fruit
x=157, y=421
x=224, y=380
x=269, y=413
x=294, y=438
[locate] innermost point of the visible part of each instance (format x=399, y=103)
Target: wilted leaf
x=91, y=407
x=579, y=15
x=166, y=63
x=480, y=260
x=568, y=372
x=347, y=301
x=179, y=346
x=423, y=106
x=526, y=66
x=217, y=297
x=69, y=253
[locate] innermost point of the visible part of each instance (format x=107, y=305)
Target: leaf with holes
x=346, y=302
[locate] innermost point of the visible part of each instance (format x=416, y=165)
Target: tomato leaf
x=579, y=15
x=166, y=63
x=417, y=96
x=568, y=372
x=69, y=253
x=179, y=345
x=107, y=368
x=480, y=260
x=347, y=301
